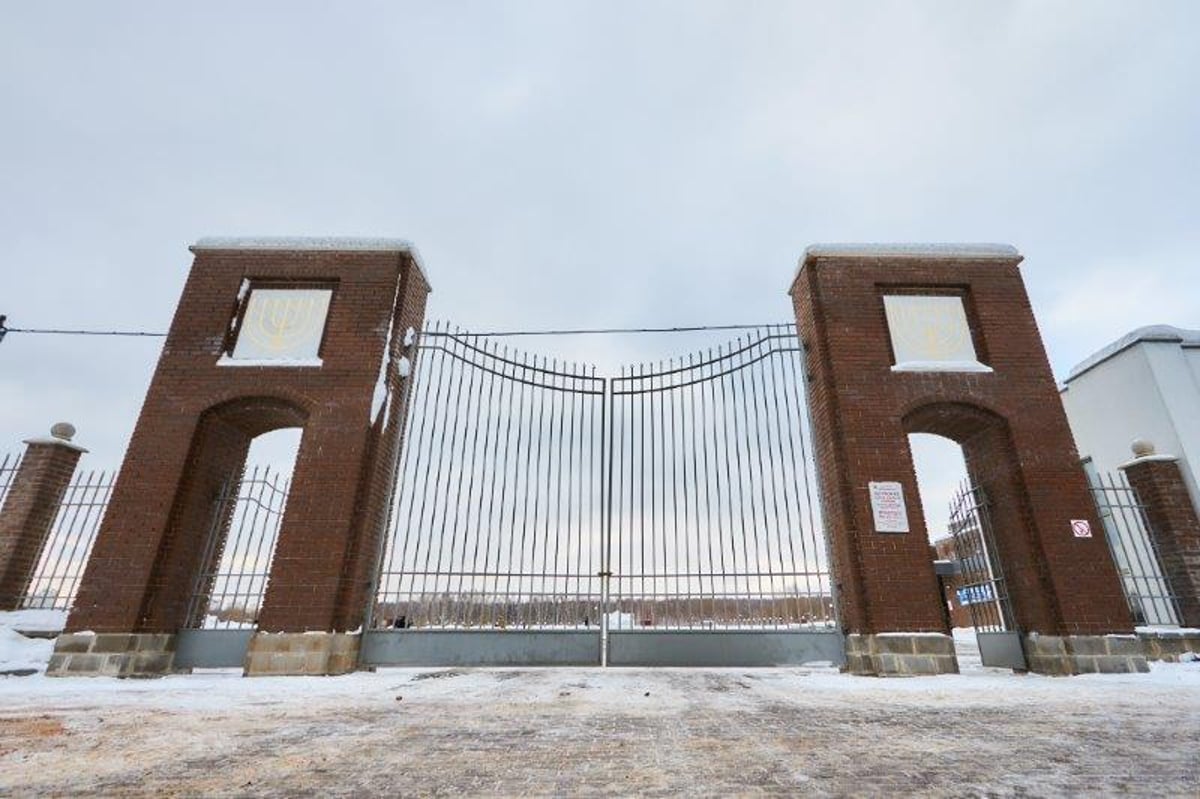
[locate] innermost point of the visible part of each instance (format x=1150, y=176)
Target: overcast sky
x=582, y=164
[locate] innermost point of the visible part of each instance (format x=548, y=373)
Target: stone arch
x=993, y=466
x=216, y=462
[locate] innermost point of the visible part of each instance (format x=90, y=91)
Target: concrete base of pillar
x=900, y=654
x=112, y=655
x=1169, y=644
x=279, y=654
x=1063, y=655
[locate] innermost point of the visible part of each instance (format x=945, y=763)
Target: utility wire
x=488, y=334
x=55, y=331
x=601, y=330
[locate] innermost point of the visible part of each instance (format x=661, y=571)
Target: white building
x=1145, y=385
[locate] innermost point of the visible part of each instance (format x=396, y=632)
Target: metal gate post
x=606, y=460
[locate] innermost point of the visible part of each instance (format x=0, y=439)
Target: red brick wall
x=1173, y=522
x=198, y=419
x=28, y=514
x=1010, y=422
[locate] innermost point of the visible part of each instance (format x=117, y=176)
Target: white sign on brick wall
x=887, y=506
x=1082, y=528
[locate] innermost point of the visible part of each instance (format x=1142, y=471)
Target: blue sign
x=976, y=594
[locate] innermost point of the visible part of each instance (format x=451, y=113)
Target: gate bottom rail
x=731, y=648
x=694, y=648
x=212, y=649
x=480, y=648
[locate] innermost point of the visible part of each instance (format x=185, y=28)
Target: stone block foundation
x=900, y=654
x=1063, y=655
x=1169, y=645
x=112, y=655
x=312, y=653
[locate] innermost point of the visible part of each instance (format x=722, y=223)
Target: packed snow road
x=599, y=732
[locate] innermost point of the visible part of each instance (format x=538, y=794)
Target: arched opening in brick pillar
x=989, y=521
x=236, y=564
x=941, y=473
x=205, y=509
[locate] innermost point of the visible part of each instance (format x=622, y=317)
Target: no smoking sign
x=1082, y=528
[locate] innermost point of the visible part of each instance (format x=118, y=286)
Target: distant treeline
x=458, y=610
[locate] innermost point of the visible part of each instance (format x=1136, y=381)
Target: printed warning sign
x=887, y=506
x=1082, y=528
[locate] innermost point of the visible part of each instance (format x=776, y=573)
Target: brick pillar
x=873, y=378
x=1174, y=525
x=30, y=507
x=204, y=406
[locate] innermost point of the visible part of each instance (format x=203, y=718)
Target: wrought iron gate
x=549, y=515
x=981, y=584
x=228, y=593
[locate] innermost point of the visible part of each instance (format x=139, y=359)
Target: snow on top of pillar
x=944, y=251
x=912, y=250
x=325, y=243
x=312, y=244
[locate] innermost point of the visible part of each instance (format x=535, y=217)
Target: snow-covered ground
x=590, y=731
x=20, y=655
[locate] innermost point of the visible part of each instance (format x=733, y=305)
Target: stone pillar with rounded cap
x=30, y=507
x=1173, y=522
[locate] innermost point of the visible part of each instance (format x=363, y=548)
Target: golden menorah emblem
x=280, y=321
x=933, y=329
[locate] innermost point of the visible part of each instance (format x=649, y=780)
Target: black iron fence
x=1135, y=553
x=56, y=578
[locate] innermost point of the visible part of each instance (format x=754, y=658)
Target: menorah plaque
x=929, y=330
x=282, y=325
